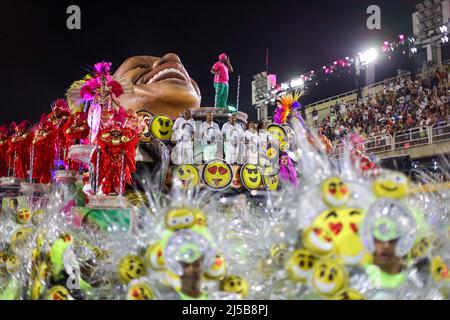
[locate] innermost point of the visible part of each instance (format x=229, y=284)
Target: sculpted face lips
x=161, y=85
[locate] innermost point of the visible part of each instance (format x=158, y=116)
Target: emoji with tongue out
x=188, y=176
x=343, y=226
x=217, y=174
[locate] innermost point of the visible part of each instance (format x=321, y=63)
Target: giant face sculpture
x=161, y=85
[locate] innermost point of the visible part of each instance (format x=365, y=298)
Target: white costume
x=233, y=134
x=183, y=134
x=251, y=147
x=210, y=135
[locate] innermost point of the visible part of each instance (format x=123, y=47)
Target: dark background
x=40, y=57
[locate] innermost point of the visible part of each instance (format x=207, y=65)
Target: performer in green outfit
x=220, y=70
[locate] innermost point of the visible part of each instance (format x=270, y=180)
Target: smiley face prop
x=270, y=179
x=300, y=265
x=161, y=127
x=140, y=291
x=335, y=192
x=218, y=269
x=329, y=278
x=154, y=257
x=277, y=132
x=393, y=185
x=130, y=267
x=236, y=284
x=343, y=225
x=250, y=176
x=188, y=176
x=180, y=218
x=217, y=174
x=23, y=216
x=319, y=241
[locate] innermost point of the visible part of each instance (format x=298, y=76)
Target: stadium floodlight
x=368, y=56
x=297, y=82
x=444, y=39
x=443, y=29
x=414, y=50
x=285, y=86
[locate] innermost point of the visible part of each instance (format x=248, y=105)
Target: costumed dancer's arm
x=230, y=67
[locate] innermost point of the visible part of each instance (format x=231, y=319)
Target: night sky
x=40, y=57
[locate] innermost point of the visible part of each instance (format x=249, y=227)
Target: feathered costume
x=102, y=93
x=357, y=153
x=19, y=149
x=58, y=118
x=4, y=145
x=43, y=150
x=287, y=110
x=117, y=142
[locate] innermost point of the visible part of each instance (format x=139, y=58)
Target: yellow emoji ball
x=188, y=175
x=23, y=215
x=251, y=176
x=130, y=267
x=277, y=132
x=154, y=257
x=218, y=269
x=217, y=174
x=349, y=294
x=270, y=179
x=236, y=284
x=180, y=218
x=319, y=241
x=58, y=293
x=391, y=185
x=161, y=127
x=329, y=277
x=140, y=291
x=300, y=265
x=335, y=192
x=343, y=225
x=439, y=270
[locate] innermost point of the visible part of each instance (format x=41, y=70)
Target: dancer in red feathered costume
x=4, y=145
x=58, y=117
x=19, y=150
x=76, y=131
x=43, y=151
x=117, y=142
x=357, y=154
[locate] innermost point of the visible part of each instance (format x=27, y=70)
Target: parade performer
x=209, y=132
x=220, y=70
x=76, y=131
x=43, y=150
x=233, y=134
x=183, y=133
x=117, y=142
x=58, y=117
x=4, y=145
x=357, y=153
x=251, y=144
x=102, y=92
x=19, y=149
x=286, y=112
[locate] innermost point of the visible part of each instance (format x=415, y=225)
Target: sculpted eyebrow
x=354, y=212
x=331, y=214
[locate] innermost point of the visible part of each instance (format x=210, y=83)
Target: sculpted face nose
x=170, y=57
